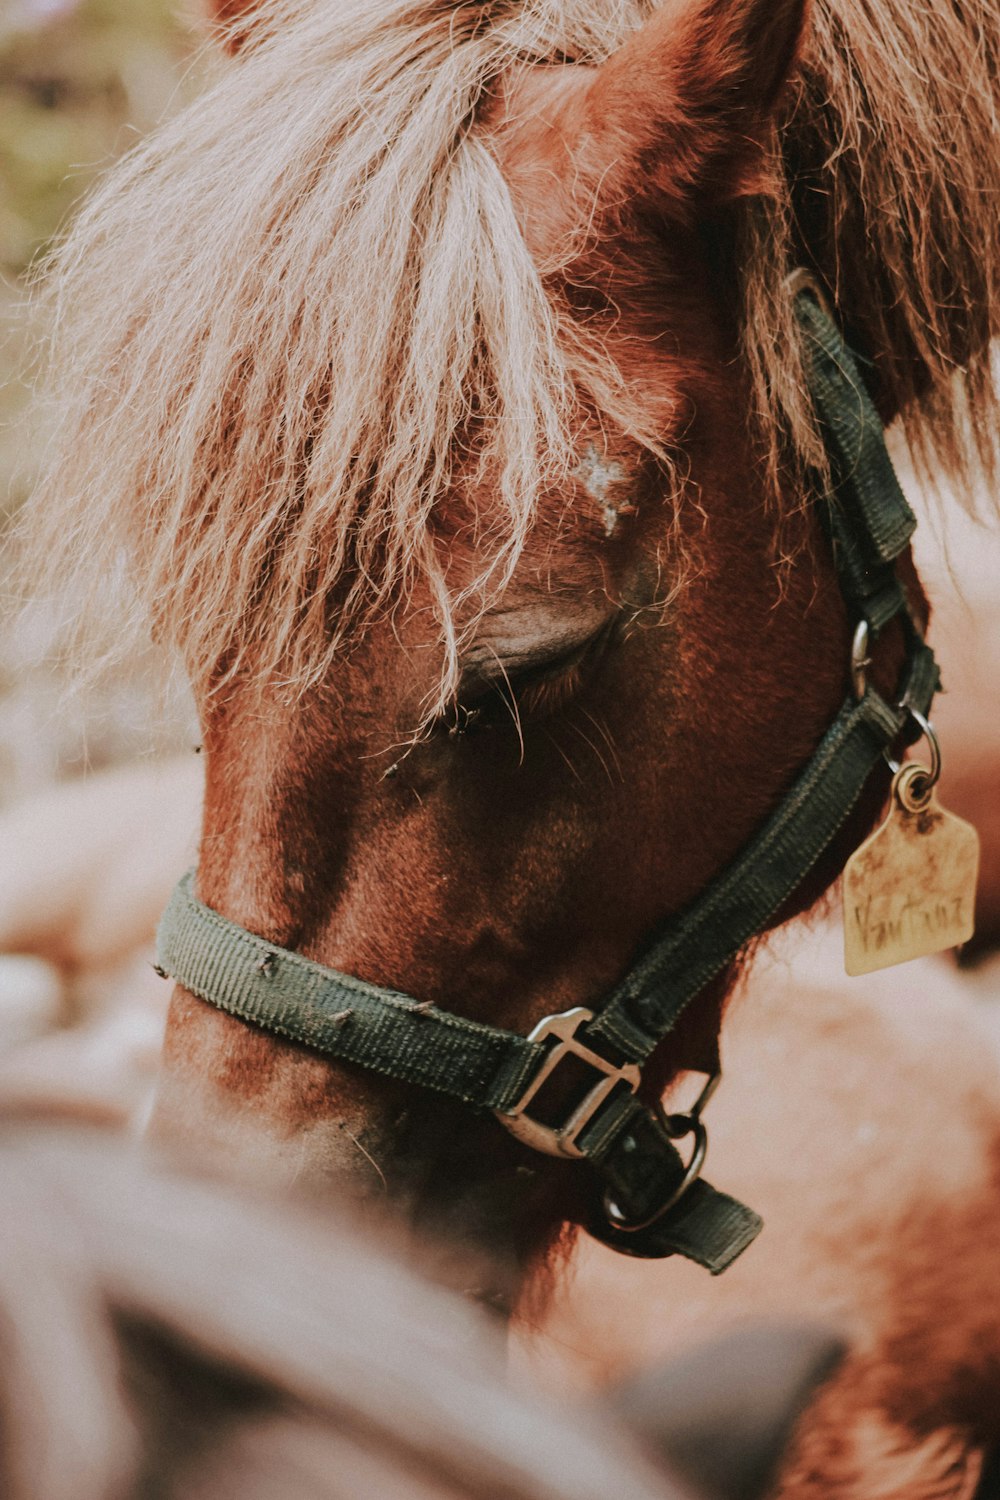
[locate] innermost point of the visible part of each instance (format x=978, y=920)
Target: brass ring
x=933, y=772
x=913, y=786
x=860, y=660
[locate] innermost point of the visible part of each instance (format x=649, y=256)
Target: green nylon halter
x=653, y=1204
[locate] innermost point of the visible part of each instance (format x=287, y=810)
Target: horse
x=434, y=387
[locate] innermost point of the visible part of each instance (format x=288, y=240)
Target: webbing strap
x=704, y=1225
x=869, y=518
x=337, y=1014
x=741, y=901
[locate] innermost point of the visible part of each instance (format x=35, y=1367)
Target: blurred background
x=80, y=80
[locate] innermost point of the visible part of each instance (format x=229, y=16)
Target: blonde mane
x=278, y=322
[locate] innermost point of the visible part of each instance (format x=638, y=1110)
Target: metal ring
x=684, y=1123
x=616, y=1217
x=677, y=1126
x=927, y=730
x=860, y=660
x=912, y=786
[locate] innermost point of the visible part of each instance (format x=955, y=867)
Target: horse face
x=634, y=700
x=637, y=695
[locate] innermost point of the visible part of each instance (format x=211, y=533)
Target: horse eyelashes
x=512, y=698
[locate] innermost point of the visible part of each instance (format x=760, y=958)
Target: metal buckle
x=560, y=1140
x=677, y=1126
x=860, y=660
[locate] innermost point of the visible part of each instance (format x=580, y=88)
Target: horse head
x=473, y=463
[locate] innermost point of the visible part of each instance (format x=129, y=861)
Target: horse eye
x=511, y=695
x=505, y=701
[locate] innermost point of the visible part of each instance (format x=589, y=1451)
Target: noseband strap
x=650, y=1202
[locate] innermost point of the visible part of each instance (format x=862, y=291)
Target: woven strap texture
x=868, y=516
x=336, y=1014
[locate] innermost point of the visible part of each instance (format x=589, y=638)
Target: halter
x=649, y=1201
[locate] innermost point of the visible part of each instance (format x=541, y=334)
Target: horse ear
x=683, y=110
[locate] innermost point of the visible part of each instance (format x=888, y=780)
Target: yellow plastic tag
x=911, y=887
